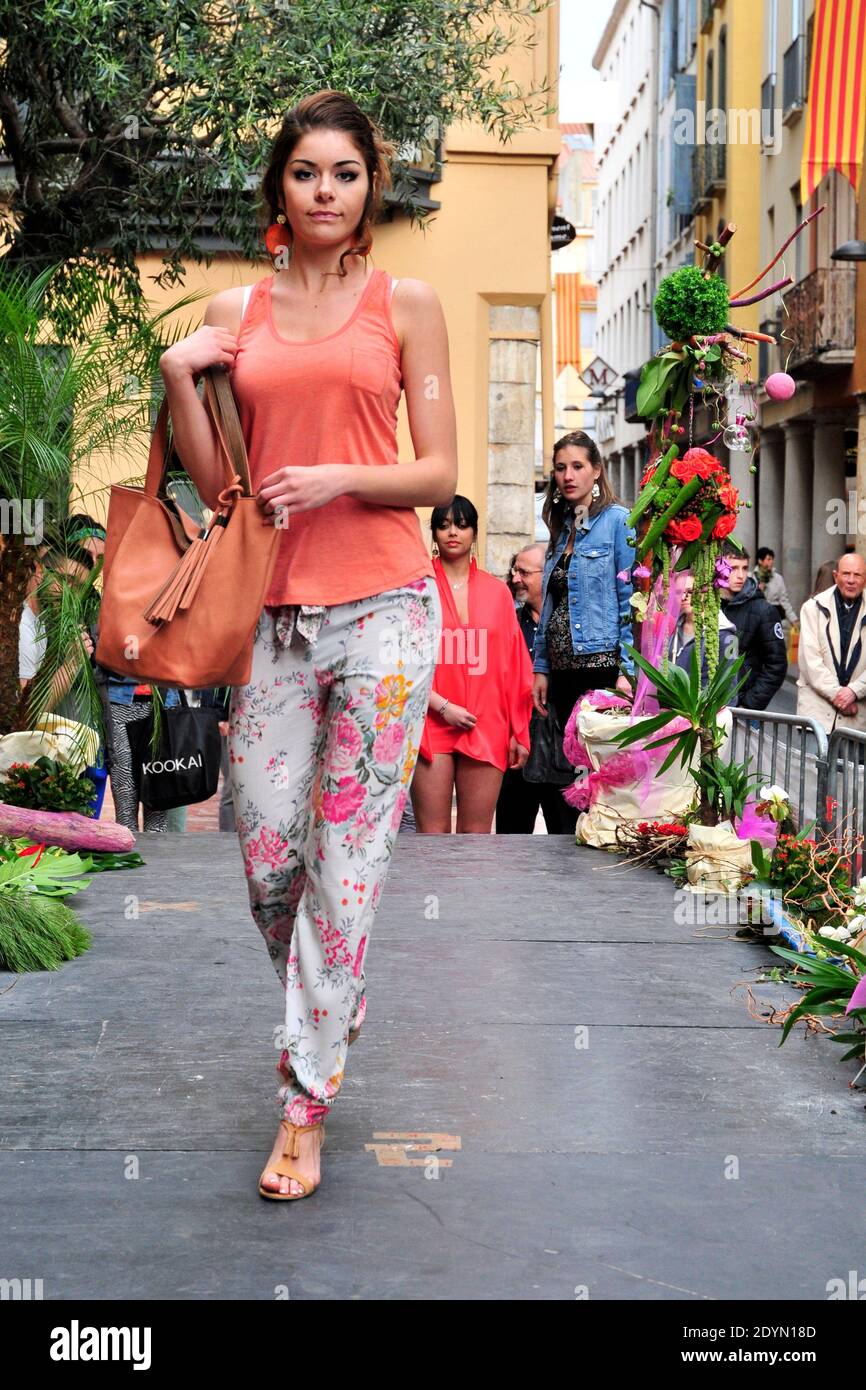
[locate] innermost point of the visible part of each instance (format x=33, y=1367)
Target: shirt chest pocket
x=595, y=557
x=599, y=586
x=369, y=370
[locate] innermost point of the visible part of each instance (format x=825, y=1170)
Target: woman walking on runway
x=323, y=740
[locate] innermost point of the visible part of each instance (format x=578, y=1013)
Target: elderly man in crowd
x=832, y=657
x=519, y=800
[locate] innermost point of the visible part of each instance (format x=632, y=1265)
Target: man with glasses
x=519, y=801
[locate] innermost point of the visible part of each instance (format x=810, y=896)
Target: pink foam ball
x=780, y=386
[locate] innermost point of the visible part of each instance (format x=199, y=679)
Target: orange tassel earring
x=278, y=237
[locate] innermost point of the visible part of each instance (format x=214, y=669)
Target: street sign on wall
x=562, y=233
x=598, y=375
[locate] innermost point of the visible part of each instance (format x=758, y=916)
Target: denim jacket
x=121, y=690
x=598, y=602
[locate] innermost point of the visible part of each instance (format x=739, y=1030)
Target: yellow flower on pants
x=391, y=695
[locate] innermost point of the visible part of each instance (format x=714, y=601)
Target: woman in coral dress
x=478, y=717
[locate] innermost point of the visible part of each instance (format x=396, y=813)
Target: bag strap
x=225, y=415
x=224, y=411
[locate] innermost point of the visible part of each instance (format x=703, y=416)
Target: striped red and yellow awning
x=570, y=294
x=837, y=86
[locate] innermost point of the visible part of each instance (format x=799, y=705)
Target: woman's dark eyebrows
x=315, y=165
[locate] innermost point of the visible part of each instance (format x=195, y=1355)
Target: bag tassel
x=179, y=588
x=196, y=577
x=182, y=584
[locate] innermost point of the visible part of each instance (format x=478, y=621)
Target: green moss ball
x=686, y=303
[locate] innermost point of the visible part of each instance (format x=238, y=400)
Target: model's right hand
x=458, y=716
x=209, y=346
x=539, y=693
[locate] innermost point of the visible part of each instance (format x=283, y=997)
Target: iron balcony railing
x=709, y=172
x=820, y=318
x=794, y=75
x=768, y=354
x=768, y=109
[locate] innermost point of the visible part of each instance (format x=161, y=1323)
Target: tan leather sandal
x=291, y=1149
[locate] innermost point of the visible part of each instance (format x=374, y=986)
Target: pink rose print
x=361, y=831
x=268, y=848
x=359, y=957
x=343, y=803
x=399, y=807
x=345, y=745
x=388, y=745
x=336, y=947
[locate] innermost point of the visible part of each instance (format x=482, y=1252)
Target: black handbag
x=186, y=765
x=547, y=761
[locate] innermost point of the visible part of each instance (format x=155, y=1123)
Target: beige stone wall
x=515, y=333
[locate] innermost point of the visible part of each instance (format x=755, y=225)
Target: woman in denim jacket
x=585, y=621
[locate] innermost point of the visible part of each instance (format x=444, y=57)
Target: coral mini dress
x=483, y=665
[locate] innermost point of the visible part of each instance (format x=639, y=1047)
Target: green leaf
x=653, y=382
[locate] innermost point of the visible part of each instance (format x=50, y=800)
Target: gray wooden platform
x=136, y=1106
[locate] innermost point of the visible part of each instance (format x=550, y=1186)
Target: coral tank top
x=332, y=400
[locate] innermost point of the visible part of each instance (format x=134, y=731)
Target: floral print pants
x=323, y=742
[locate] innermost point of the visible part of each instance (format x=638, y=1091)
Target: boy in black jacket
x=760, y=638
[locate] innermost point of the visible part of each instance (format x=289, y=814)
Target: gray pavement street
x=611, y=1121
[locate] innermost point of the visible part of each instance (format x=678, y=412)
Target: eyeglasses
x=516, y=569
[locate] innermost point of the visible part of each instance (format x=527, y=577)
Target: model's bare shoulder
x=416, y=294
x=224, y=309
x=418, y=315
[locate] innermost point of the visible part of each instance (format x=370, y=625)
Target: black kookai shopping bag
x=186, y=765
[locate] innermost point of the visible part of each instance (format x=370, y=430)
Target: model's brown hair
x=553, y=513
x=330, y=110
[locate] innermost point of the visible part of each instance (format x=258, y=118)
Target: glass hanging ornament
x=737, y=437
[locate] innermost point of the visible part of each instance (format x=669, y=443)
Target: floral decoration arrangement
x=47, y=785
x=38, y=930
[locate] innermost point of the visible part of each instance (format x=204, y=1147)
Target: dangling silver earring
x=435, y=550
x=557, y=495
x=596, y=490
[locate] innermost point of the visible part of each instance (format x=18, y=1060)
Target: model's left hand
x=623, y=685
x=295, y=489
x=517, y=754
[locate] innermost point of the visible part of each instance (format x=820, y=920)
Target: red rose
x=687, y=529
x=647, y=475
x=724, y=526
x=701, y=463
x=682, y=471
x=729, y=497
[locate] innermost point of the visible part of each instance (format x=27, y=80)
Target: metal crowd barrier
x=824, y=775
x=845, y=812
x=790, y=750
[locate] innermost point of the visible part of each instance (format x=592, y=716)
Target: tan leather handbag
x=181, y=602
